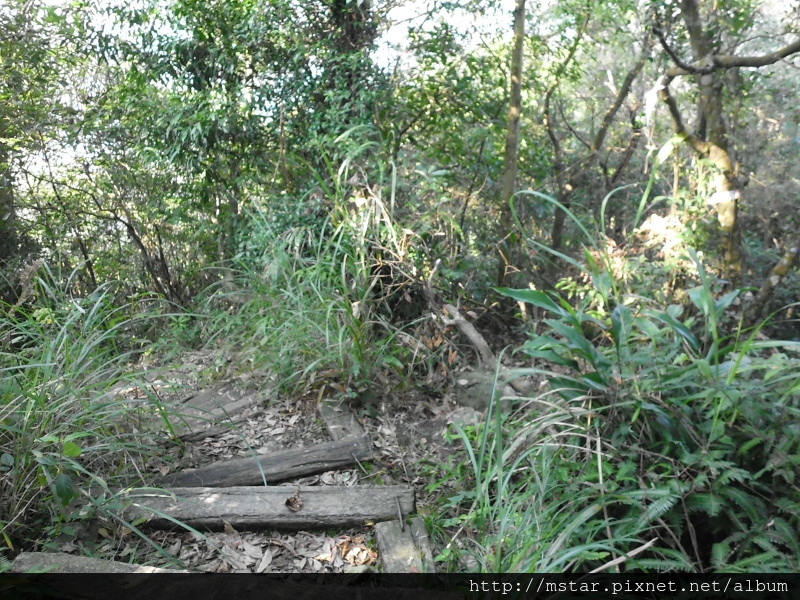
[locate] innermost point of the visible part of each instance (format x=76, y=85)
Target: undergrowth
x=667, y=439
x=311, y=299
x=69, y=445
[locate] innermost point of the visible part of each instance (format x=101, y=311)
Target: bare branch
x=716, y=62
x=668, y=49
x=623, y=92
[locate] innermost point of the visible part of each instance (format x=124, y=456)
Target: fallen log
x=275, y=466
x=277, y=507
x=61, y=562
x=211, y=412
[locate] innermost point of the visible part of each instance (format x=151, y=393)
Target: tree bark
x=267, y=508
x=514, y=105
x=512, y=139
x=710, y=139
x=712, y=128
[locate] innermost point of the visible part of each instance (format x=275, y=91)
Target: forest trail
x=269, y=485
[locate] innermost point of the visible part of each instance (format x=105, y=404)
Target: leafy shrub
x=700, y=425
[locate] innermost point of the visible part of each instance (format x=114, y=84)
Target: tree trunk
x=710, y=140
x=8, y=234
x=712, y=129
x=506, y=251
x=787, y=262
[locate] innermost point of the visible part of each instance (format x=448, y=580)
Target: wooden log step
x=275, y=466
x=211, y=412
x=404, y=549
x=61, y=562
x=279, y=507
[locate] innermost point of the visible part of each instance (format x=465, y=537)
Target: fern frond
x=679, y=563
x=780, y=531
x=656, y=509
x=766, y=562
x=735, y=474
x=751, y=504
x=709, y=504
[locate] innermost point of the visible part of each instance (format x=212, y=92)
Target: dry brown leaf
x=294, y=503
x=175, y=548
x=452, y=358
x=265, y=562
x=251, y=550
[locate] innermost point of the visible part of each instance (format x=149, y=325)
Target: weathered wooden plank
x=339, y=421
x=276, y=466
x=423, y=543
x=210, y=412
x=268, y=507
x=60, y=562
x=229, y=423
x=404, y=549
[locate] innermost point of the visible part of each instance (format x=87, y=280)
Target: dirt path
x=342, y=489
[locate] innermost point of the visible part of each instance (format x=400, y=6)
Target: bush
x=698, y=426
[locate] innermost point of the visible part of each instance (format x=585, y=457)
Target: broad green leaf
x=647, y=327
x=72, y=449
x=595, y=381
x=621, y=322
x=726, y=300
x=577, y=340
x=701, y=298
x=537, y=298
x=552, y=357
x=64, y=488
x=569, y=388
x=679, y=328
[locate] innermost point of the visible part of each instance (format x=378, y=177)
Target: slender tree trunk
x=514, y=105
x=712, y=129
x=713, y=144
x=507, y=251
x=788, y=261
x=8, y=234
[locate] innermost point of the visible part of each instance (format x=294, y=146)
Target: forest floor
x=406, y=428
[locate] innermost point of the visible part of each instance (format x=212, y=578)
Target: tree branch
x=623, y=92
x=668, y=49
x=716, y=62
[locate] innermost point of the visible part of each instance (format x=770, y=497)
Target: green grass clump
x=65, y=438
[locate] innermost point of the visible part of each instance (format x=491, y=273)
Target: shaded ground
x=408, y=437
